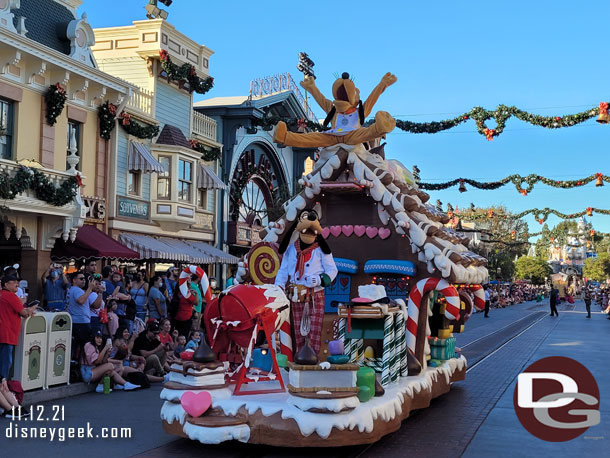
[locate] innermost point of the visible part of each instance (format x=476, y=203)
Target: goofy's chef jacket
x=307, y=266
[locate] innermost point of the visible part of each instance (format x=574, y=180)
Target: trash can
x=59, y=346
x=31, y=353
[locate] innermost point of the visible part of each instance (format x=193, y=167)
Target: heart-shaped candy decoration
x=335, y=231
x=359, y=230
x=326, y=232
x=371, y=232
x=347, y=230
x=344, y=281
x=384, y=233
x=196, y=404
x=187, y=355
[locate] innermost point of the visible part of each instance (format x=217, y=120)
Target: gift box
x=442, y=349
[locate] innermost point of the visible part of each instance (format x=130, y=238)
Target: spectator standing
x=587, y=299
x=116, y=289
x=487, y=301
x=89, y=268
x=553, y=300
x=139, y=293
x=13, y=271
x=55, y=285
x=80, y=303
x=171, y=281
x=182, y=319
x=11, y=311
x=231, y=280
x=157, y=305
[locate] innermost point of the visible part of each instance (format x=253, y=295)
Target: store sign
x=96, y=209
x=204, y=221
x=133, y=208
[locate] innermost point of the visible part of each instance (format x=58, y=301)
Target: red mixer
x=233, y=322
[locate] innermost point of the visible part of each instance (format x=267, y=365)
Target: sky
x=546, y=57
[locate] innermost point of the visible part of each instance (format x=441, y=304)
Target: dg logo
x=557, y=399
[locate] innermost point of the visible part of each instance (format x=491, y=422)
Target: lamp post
x=498, y=273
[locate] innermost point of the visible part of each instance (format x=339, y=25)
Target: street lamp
x=498, y=273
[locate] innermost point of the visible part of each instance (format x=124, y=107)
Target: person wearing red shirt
x=184, y=313
x=11, y=311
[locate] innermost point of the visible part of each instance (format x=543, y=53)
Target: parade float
x=362, y=274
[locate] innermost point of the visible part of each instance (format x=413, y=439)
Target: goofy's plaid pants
x=316, y=319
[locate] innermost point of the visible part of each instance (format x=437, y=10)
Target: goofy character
x=308, y=266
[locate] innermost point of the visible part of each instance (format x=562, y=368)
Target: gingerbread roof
x=402, y=207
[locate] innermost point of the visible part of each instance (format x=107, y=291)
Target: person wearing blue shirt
x=79, y=304
x=55, y=285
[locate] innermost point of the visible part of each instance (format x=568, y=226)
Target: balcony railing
x=204, y=126
x=141, y=102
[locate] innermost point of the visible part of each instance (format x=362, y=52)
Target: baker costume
x=307, y=268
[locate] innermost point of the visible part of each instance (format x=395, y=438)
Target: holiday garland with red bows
x=106, y=113
x=184, y=74
x=540, y=215
x=39, y=182
x=523, y=184
x=207, y=153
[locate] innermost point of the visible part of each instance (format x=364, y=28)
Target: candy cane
x=479, y=297
x=423, y=287
x=286, y=340
x=186, y=275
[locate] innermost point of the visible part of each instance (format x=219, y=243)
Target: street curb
x=57, y=392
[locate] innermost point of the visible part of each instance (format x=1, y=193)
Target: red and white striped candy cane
x=286, y=339
x=479, y=297
x=422, y=287
x=186, y=275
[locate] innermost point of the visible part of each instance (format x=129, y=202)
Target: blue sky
x=548, y=57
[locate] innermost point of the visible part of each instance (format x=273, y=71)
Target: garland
x=298, y=124
x=207, y=154
x=37, y=181
x=106, y=113
x=136, y=129
x=184, y=73
x=523, y=184
x=540, y=215
x=55, y=99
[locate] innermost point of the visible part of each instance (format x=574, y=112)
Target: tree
x=503, y=238
x=534, y=269
x=543, y=243
x=597, y=269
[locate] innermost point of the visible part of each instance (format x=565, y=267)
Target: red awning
x=91, y=243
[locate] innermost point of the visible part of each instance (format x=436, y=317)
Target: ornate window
x=6, y=129
x=185, y=179
x=164, y=181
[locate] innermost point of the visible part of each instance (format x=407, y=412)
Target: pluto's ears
x=323, y=245
x=287, y=236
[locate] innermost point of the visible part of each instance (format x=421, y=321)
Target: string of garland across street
x=540, y=215
x=523, y=184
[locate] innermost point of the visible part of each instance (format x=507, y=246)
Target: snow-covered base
x=360, y=418
x=217, y=435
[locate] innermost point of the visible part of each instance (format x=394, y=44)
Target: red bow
x=489, y=134
x=163, y=54
x=125, y=119
x=79, y=180
x=603, y=108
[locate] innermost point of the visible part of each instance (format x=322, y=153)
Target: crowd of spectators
x=124, y=326
x=503, y=295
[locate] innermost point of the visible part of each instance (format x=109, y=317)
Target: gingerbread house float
x=390, y=356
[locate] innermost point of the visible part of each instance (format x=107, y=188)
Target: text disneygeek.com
x=61, y=433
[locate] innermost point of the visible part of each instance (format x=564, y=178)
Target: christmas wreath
x=55, y=99
x=106, y=113
x=207, y=154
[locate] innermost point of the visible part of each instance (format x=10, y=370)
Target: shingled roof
x=46, y=22
x=172, y=135
x=405, y=211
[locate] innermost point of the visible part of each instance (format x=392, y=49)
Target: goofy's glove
x=312, y=281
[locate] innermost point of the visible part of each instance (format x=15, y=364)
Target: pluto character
x=307, y=266
x=347, y=113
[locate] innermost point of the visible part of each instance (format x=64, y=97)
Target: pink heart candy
x=371, y=232
x=347, y=230
x=335, y=230
x=325, y=232
x=359, y=230
x=384, y=233
x=196, y=404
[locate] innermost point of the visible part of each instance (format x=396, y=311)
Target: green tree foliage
x=534, y=269
x=597, y=269
x=503, y=239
